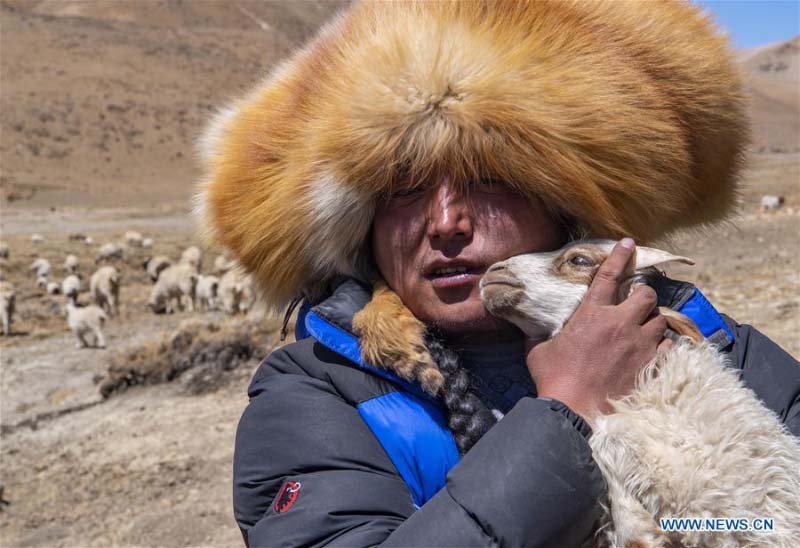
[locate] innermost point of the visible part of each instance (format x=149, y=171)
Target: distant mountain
x=772, y=76
x=102, y=99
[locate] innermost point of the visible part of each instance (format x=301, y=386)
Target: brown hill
x=772, y=75
x=102, y=100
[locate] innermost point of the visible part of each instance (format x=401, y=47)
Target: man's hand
x=603, y=346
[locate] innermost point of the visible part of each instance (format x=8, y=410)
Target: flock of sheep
x=180, y=286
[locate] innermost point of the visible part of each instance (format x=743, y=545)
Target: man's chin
x=462, y=318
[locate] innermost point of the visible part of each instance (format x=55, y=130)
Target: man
x=379, y=173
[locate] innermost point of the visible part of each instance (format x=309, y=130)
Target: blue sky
x=753, y=23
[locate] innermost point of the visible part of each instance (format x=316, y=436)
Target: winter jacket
x=331, y=451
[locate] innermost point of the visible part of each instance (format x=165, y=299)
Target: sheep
x=53, y=288
x=104, y=289
x=70, y=265
x=207, y=287
x=690, y=440
x=108, y=252
x=37, y=239
x=133, y=238
x=71, y=286
x=178, y=282
x=147, y=243
x=154, y=265
x=42, y=281
x=4, y=250
x=222, y=265
x=193, y=256
x=236, y=292
x=769, y=201
x=7, y=300
x=84, y=320
x=41, y=267
x=88, y=241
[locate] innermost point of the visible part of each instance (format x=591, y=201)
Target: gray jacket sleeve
x=769, y=371
x=530, y=481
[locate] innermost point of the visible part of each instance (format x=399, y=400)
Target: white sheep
x=70, y=265
x=147, y=243
x=53, y=288
x=207, y=290
x=223, y=264
x=193, y=256
x=104, y=289
x=42, y=281
x=85, y=320
x=155, y=265
x=7, y=300
x=37, y=239
x=133, y=238
x=71, y=287
x=176, y=283
x=690, y=440
x=236, y=292
x=88, y=241
x=108, y=252
x=41, y=267
x=4, y=250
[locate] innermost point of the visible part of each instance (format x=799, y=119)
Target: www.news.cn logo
x=717, y=524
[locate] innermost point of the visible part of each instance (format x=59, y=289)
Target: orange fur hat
x=626, y=116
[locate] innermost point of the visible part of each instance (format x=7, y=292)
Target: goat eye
x=580, y=260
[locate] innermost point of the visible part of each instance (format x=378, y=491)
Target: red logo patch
x=286, y=496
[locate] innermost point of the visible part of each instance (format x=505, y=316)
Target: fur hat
x=624, y=116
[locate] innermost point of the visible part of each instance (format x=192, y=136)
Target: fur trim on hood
x=625, y=116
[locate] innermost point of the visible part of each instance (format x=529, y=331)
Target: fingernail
x=627, y=243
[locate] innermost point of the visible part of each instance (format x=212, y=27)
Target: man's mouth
x=454, y=275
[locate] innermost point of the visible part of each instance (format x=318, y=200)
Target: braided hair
x=467, y=416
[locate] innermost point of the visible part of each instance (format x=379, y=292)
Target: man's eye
x=406, y=192
x=580, y=260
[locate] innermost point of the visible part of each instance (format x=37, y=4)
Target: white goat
x=178, y=282
x=84, y=320
x=690, y=441
x=71, y=287
x=70, y=265
x=133, y=238
x=193, y=256
x=42, y=281
x=108, y=252
x=104, y=288
x=154, y=265
x=41, y=267
x=236, y=292
x=7, y=300
x=207, y=290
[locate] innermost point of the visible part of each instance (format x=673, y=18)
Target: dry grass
x=211, y=350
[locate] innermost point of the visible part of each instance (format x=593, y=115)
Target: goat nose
x=497, y=267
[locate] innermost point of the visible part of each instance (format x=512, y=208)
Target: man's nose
x=450, y=216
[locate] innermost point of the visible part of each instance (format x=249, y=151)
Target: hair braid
x=468, y=417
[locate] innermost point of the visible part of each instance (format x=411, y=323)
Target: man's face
x=433, y=245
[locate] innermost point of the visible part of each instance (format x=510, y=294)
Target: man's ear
x=648, y=256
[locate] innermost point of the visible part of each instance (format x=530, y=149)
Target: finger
x=605, y=285
x=641, y=306
x=654, y=328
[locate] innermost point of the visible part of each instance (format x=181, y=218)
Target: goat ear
x=648, y=256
